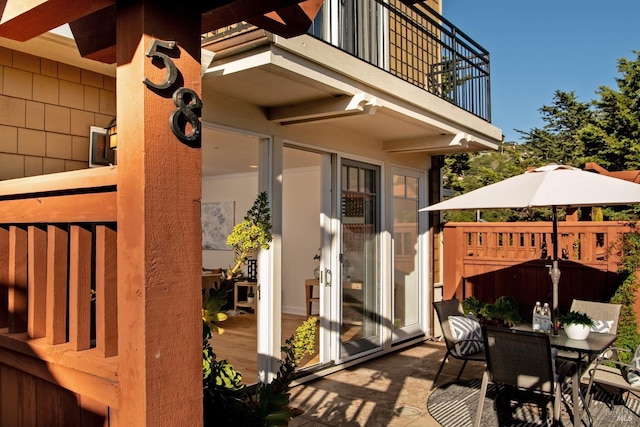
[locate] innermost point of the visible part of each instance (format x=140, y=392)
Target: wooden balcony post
x=57, y=276
x=17, y=292
x=106, y=291
x=4, y=277
x=80, y=288
x=37, y=282
x=159, y=232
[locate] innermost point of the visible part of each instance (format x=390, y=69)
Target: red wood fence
x=58, y=312
x=488, y=260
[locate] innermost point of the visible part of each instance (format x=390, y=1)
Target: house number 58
x=188, y=104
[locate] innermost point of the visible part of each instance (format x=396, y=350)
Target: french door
x=408, y=295
x=331, y=223
x=359, y=258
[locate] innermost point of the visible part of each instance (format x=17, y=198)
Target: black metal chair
x=522, y=360
x=444, y=309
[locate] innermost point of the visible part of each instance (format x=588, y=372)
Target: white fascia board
x=251, y=60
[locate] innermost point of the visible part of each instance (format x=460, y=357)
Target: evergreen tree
x=613, y=140
x=482, y=169
x=605, y=131
x=557, y=141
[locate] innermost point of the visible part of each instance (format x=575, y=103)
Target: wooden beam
x=220, y=16
x=290, y=21
x=95, y=207
x=24, y=19
x=95, y=35
x=81, y=179
x=93, y=23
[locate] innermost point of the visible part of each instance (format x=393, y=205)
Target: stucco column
x=159, y=232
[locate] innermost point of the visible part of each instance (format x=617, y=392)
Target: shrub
x=229, y=402
x=628, y=247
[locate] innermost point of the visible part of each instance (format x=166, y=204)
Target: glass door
x=407, y=294
x=306, y=248
x=359, y=258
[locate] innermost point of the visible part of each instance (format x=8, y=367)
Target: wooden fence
x=58, y=311
x=488, y=260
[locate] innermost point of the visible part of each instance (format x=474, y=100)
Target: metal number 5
x=172, y=71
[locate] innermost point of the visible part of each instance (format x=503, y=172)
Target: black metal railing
x=430, y=52
x=413, y=42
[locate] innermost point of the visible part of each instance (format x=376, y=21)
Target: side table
x=238, y=303
x=310, y=299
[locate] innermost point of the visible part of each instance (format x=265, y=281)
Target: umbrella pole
x=554, y=272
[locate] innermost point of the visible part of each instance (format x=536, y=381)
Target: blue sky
x=538, y=47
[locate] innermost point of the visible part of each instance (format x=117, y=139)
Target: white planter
x=577, y=332
x=250, y=300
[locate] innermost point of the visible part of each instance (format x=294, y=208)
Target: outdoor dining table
x=590, y=347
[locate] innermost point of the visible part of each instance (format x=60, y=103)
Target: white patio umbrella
x=548, y=186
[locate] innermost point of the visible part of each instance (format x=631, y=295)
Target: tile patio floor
x=388, y=391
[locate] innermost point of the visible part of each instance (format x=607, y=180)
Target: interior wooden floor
x=238, y=343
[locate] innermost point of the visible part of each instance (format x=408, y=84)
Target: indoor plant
x=577, y=325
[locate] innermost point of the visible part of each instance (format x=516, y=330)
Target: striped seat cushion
x=466, y=328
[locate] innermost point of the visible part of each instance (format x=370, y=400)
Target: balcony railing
x=409, y=40
x=432, y=53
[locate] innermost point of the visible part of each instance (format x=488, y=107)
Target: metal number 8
x=188, y=111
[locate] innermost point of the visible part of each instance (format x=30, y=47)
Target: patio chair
x=612, y=375
x=459, y=347
x=605, y=315
x=522, y=360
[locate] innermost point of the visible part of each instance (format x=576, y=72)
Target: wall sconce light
x=112, y=134
x=111, y=141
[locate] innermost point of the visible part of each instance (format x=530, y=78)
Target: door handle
x=328, y=277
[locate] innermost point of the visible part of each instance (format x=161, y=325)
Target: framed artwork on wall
x=218, y=219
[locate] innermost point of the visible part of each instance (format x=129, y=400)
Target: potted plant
x=250, y=295
x=577, y=325
x=503, y=312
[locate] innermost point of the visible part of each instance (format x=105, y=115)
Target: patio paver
x=392, y=390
